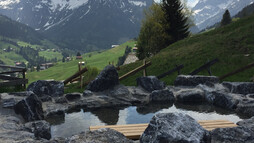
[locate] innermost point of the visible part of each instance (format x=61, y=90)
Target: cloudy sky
x=191, y=3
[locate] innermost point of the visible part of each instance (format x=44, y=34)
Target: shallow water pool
x=78, y=121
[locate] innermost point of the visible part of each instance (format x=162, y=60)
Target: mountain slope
x=95, y=59
x=233, y=45
x=15, y=30
x=209, y=12
x=83, y=25
x=20, y=43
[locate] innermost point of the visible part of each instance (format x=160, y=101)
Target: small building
x=46, y=66
x=68, y=59
x=134, y=49
x=79, y=57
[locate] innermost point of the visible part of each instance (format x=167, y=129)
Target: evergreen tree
x=226, y=18
x=78, y=54
x=176, y=22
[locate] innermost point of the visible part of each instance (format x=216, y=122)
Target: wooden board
x=134, y=131
x=14, y=82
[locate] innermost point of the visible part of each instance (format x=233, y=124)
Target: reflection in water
x=108, y=115
x=75, y=123
x=153, y=107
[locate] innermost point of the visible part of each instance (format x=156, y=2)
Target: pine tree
x=176, y=22
x=78, y=54
x=226, y=18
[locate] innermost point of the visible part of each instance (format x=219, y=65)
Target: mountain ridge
x=209, y=12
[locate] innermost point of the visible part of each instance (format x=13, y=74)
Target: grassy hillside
x=10, y=57
x=232, y=44
x=95, y=59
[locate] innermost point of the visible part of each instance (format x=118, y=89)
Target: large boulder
x=246, y=107
x=41, y=129
x=30, y=108
x=247, y=123
x=162, y=96
x=190, y=95
x=108, y=78
x=150, y=83
x=240, y=87
x=9, y=100
x=99, y=136
x=232, y=135
x=47, y=88
x=224, y=100
x=188, y=80
x=174, y=127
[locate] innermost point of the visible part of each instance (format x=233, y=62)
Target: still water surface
x=76, y=122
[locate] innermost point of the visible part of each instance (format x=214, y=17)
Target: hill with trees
x=22, y=44
x=232, y=44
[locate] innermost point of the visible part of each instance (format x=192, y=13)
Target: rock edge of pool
x=23, y=115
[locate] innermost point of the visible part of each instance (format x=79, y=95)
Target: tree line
x=165, y=23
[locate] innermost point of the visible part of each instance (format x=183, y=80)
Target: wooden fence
x=206, y=66
x=177, y=68
x=237, y=71
x=143, y=67
x=11, y=80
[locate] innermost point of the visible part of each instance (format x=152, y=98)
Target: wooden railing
x=143, y=67
x=176, y=69
x=237, y=71
x=206, y=66
x=10, y=80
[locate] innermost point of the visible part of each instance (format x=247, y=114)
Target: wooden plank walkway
x=134, y=131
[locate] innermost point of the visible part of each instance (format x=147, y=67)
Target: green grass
x=10, y=57
x=50, y=55
x=99, y=60
x=229, y=44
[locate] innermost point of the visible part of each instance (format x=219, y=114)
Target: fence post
x=79, y=69
x=24, y=77
x=144, y=71
x=178, y=70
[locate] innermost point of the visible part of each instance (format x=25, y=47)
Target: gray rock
x=150, y=83
x=190, y=95
x=246, y=123
x=60, y=100
x=232, y=135
x=9, y=103
x=224, y=100
x=87, y=93
x=108, y=78
x=100, y=136
x=162, y=96
x=9, y=100
x=45, y=98
x=188, y=80
x=174, y=127
x=41, y=129
x=30, y=108
x=246, y=107
x=12, y=130
x=23, y=93
x=73, y=96
x=51, y=88
x=122, y=93
x=240, y=87
x=139, y=93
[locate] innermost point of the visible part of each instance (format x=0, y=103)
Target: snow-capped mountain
x=209, y=12
x=88, y=24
